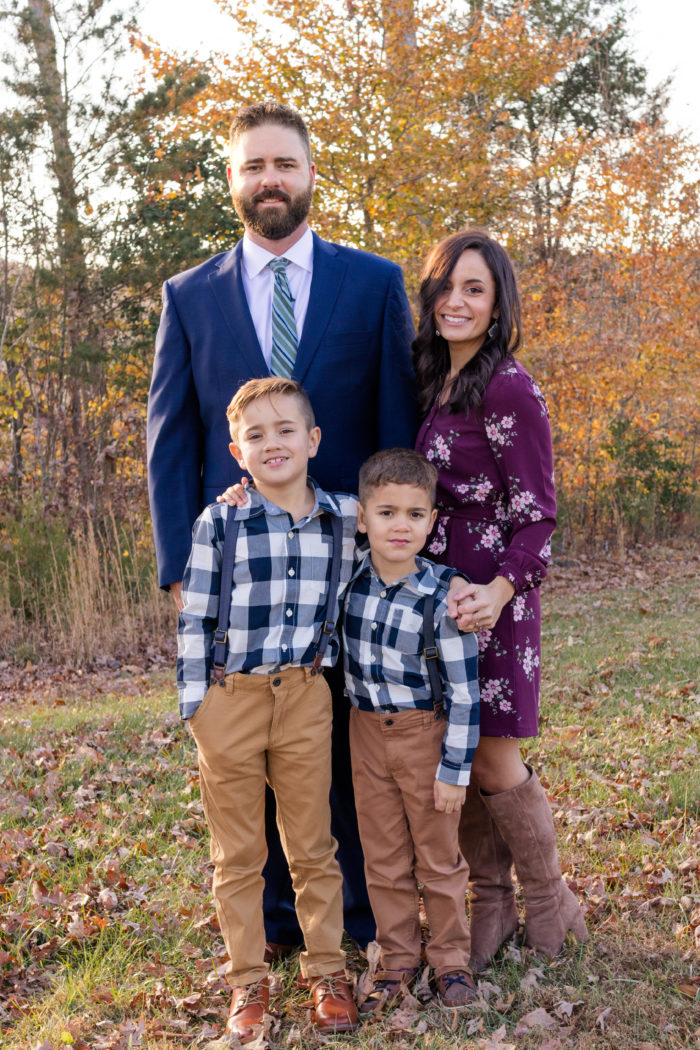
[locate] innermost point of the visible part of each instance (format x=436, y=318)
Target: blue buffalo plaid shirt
x=281, y=577
x=385, y=669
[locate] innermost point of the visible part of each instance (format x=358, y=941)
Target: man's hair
x=268, y=112
x=270, y=386
x=397, y=466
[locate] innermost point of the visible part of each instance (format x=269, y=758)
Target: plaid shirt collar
x=421, y=582
x=324, y=502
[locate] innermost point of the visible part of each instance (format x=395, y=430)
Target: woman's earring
x=493, y=329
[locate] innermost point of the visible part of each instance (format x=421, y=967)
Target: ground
x=107, y=933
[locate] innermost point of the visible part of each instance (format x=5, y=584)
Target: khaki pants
x=407, y=841
x=275, y=728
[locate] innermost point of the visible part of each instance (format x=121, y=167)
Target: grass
x=107, y=934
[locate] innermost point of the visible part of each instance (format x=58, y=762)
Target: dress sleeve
x=517, y=429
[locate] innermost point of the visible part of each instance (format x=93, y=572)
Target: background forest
x=533, y=119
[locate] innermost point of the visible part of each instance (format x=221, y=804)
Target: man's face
x=271, y=180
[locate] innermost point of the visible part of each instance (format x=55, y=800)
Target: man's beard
x=274, y=223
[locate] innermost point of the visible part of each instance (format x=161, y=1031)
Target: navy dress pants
x=281, y=924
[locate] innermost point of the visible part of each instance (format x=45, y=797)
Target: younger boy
x=410, y=763
x=269, y=718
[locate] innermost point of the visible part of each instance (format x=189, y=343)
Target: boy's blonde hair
x=397, y=466
x=270, y=386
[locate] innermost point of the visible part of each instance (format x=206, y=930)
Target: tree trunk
x=70, y=240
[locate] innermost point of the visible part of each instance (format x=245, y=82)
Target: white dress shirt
x=258, y=282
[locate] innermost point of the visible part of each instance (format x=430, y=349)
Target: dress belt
x=469, y=514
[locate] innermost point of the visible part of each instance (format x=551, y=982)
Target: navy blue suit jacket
x=353, y=360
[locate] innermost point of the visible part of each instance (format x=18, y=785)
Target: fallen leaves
x=538, y=1018
x=104, y=851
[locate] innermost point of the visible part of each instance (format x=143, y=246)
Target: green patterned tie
x=284, y=329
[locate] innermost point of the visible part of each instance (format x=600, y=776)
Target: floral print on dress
x=438, y=451
x=529, y=659
x=492, y=538
x=496, y=512
x=523, y=504
x=541, y=398
x=478, y=490
x=489, y=640
x=496, y=693
x=500, y=430
x=439, y=541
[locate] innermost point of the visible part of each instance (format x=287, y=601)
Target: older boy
x=411, y=764
x=272, y=718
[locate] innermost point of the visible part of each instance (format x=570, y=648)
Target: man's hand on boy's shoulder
x=448, y=797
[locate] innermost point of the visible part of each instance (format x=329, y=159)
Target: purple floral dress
x=496, y=515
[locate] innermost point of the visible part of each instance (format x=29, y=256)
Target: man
x=335, y=319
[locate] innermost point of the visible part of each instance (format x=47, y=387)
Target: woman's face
x=466, y=308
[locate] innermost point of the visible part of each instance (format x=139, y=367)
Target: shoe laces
x=456, y=977
x=254, y=995
x=330, y=984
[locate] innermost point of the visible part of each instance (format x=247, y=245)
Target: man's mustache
x=271, y=195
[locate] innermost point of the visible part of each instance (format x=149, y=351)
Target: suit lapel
x=326, y=280
x=227, y=287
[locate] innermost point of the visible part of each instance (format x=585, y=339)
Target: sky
x=664, y=35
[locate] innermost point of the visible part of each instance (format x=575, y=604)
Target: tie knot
x=278, y=265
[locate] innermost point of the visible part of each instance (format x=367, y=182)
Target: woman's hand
x=235, y=495
x=448, y=797
x=481, y=604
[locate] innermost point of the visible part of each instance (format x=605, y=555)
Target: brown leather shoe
x=334, y=1007
x=275, y=952
x=456, y=990
x=249, y=1004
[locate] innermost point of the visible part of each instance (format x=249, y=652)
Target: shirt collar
x=422, y=581
x=256, y=258
x=257, y=504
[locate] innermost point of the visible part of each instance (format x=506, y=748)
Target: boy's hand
x=456, y=593
x=448, y=797
x=235, y=495
x=176, y=594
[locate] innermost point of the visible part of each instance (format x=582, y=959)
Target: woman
x=486, y=430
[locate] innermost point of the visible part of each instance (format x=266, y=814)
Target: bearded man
x=285, y=302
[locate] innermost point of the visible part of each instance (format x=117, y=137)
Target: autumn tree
x=174, y=210
x=63, y=98
x=396, y=146
x=534, y=119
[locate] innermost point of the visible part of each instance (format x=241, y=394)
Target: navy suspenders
x=226, y=588
x=430, y=652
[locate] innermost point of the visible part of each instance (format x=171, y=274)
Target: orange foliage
x=410, y=109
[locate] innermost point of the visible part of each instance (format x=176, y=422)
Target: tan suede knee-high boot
x=524, y=818
x=493, y=916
